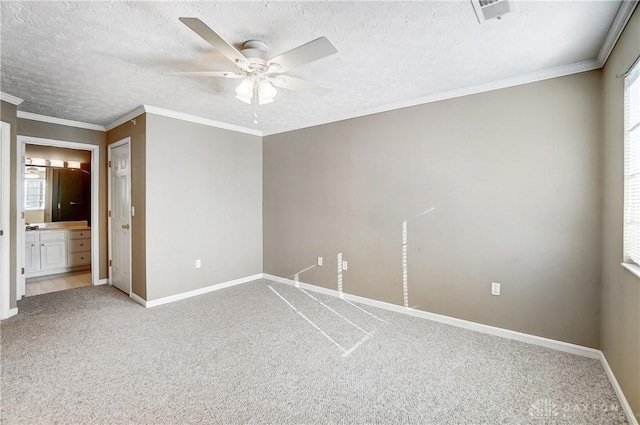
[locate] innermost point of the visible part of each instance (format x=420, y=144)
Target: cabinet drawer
x=53, y=236
x=79, y=234
x=79, y=259
x=79, y=245
x=31, y=237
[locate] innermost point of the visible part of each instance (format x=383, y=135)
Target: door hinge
x=109, y=263
x=22, y=214
x=109, y=213
x=1, y=232
x=109, y=164
x=22, y=270
x=24, y=160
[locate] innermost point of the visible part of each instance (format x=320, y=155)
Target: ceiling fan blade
x=223, y=74
x=211, y=37
x=292, y=83
x=312, y=51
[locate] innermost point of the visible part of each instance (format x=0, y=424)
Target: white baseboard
x=201, y=291
x=138, y=299
x=631, y=417
x=492, y=330
x=102, y=281
x=12, y=312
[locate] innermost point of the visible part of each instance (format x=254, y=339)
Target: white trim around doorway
x=5, y=260
x=95, y=201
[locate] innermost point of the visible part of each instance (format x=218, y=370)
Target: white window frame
x=631, y=235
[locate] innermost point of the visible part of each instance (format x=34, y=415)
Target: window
x=34, y=189
x=632, y=166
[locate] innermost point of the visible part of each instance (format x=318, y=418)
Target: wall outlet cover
x=320, y=261
x=495, y=288
x=198, y=263
x=345, y=265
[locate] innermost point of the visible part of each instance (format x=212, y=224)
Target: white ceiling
x=96, y=61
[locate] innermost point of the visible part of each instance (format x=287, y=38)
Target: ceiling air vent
x=489, y=9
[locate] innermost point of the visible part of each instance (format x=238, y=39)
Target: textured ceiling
x=96, y=61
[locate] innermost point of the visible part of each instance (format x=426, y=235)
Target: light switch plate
x=495, y=288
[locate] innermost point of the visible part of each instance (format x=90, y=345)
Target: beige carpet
x=254, y=354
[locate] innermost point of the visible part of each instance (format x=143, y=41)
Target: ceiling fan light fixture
x=244, y=90
x=266, y=92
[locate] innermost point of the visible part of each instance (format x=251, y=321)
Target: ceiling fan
x=260, y=76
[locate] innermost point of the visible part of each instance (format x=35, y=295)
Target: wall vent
x=490, y=9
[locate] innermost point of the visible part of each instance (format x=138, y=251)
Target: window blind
x=632, y=165
x=34, y=192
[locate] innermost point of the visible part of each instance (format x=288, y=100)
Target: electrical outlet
x=198, y=263
x=320, y=261
x=345, y=265
x=495, y=288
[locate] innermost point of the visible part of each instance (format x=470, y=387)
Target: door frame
x=125, y=141
x=95, y=204
x=5, y=215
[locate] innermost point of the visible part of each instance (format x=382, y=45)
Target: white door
x=5, y=133
x=120, y=220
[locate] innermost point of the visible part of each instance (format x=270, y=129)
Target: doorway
x=120, y=213
x=57, y=257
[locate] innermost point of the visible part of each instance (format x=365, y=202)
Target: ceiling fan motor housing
x=255, y=51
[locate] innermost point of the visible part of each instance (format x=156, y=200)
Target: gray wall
x=46, y=130
x=620, y=331
x=514, y=176
x=137, y=132
x=204, y=200
x=8, y=114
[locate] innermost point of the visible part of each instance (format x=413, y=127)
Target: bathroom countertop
x=59, y=225
x=53, y=229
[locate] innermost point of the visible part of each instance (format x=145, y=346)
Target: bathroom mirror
x=57, y=189
x=57, y=194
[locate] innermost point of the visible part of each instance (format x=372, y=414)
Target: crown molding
x=126, y=117
x=59, y=121
x=531, y=77
x=183, y=117
x=615, y=30
x=199, y=120
x=11, y=99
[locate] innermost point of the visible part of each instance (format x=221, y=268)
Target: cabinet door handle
x=125, y=226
